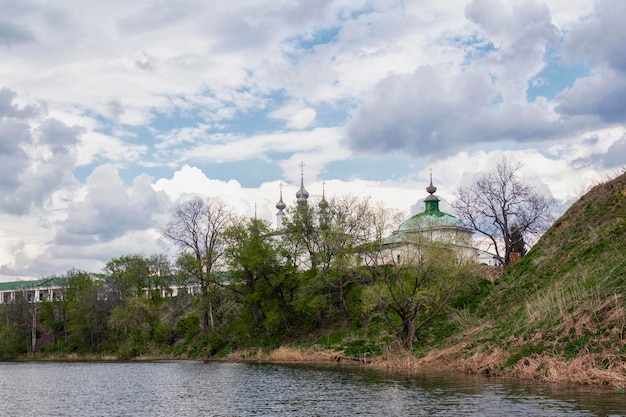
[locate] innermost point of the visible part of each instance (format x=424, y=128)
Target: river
x=190, y=388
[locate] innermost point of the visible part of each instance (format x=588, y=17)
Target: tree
x=517, y=241
x=502, y=208
x=329, y=239
x=17, y=328
x=132, y=322
x=197, y=228
x=161, y=277
x=260, y=274
x=88, y=303
x=129, y=275
x=135, y=275
x=411, y=293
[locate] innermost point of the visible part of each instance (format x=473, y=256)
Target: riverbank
x=583, y=370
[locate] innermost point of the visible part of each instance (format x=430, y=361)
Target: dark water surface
x=188, y=388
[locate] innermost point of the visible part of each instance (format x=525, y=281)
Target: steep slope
x=559, y=314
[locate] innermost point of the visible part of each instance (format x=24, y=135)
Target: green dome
x=429, y=220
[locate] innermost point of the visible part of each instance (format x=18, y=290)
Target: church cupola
x=302, y=194
x=323, y=204
x=281, y=207
x=432, y=201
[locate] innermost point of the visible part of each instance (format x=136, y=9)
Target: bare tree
x=197, y=228
x=501, y=207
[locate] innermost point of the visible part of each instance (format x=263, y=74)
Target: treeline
x=324, y=278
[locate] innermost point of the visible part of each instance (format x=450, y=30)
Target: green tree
x=137, y=275
x=517, y=241
x=88, y=305
x=53, y=317
x=132, y=323
x=329, y=241
x=129, y=275
x=15, y=330
x=21, y=315
x=12, y=343
x=161, y=275
x=260, y=274
x=411, y=293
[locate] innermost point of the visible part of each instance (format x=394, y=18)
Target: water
x=188, y=388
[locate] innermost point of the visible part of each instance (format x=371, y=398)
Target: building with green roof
x=434, y=226
x=46, y=289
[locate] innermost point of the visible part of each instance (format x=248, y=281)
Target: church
x=435, y=226
x=430, y=226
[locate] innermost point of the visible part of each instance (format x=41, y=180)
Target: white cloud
x=152, y=97
x=296, y=115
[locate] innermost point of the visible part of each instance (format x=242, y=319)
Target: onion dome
x=431, y=219
x=432, y=201
x=323, y=204
x=302, y=194
x=431, y=189
x=281, y=204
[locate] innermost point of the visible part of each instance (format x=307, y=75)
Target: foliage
x=87, y=307
x=133, y=320
x=12, y=344
x=411, y=294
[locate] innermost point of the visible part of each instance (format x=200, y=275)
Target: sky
x=112, y=113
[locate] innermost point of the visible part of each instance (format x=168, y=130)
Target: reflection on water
x=187, y=388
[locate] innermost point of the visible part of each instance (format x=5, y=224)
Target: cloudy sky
x=112, y=113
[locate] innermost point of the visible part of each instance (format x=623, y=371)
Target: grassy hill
x=560, y=313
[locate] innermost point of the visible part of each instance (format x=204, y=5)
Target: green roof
x=429, y=220
x=39, y=283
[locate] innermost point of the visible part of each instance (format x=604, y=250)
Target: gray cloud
x=12, y=34
x=524, y=19
x=432, y=113
x=36, y=157
x=108, y=210
x=615, y=156
x=146, y=62
x=13, y=159
x=426, y=114
x=8, y=109
x=600, y=39
x=157, y=16
x=602, y=95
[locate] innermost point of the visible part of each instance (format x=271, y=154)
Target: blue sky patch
x=372, y=168
x=554, y=78
x=249, y=173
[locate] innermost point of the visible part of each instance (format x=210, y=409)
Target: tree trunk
x=33, y=333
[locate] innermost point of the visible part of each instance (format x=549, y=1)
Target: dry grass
x=580, y=370
x=583, y=369
x=285, y=354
